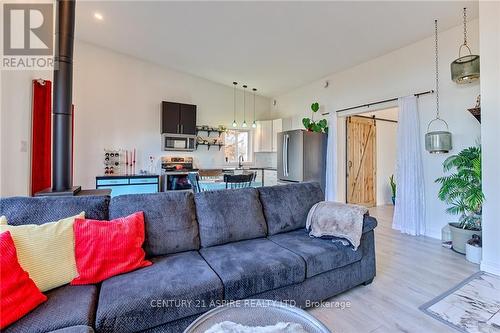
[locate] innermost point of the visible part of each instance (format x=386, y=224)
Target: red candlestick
x=126, y=161
x=130, y=164
x=133, y=169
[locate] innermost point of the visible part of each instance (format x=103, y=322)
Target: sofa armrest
x=369, y=223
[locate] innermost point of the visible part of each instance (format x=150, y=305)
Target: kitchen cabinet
x=187, y=119
x=265, y=138
x=277, y=127
x=178, y=118
x=170, y=117
x=270, y=177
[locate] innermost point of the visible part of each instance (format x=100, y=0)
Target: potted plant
x=462, y=191
x=392, y=183
x=473, y=249
x=313, y=126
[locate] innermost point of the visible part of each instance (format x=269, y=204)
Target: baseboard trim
x=490, y=267
x=433, y=233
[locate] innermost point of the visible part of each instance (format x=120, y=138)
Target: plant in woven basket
x=320, y=126
x=462, y=189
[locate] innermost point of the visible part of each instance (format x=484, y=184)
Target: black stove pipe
x=62, y=97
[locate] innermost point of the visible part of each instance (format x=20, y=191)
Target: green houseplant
x=392, y=183
x=462, y=191
x=313, y=126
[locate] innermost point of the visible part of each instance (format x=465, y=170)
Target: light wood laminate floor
x=410, y=271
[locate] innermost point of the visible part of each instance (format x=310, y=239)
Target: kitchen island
x=266, y=176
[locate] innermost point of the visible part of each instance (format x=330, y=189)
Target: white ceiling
x=274, y=46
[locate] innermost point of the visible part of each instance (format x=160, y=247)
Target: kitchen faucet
x=240, y=161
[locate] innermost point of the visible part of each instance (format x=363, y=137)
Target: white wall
x=117, y=105
x=386, y=160
x=402, y=72
x=489, y=13
x=15, y=129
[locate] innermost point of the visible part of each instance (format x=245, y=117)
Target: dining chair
x=194, y=180
x=239, y=181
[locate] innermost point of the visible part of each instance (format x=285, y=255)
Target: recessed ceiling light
x=98, y=16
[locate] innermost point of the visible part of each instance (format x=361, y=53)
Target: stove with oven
x=175, y=173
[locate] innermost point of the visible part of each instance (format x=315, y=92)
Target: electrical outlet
x=24, y=146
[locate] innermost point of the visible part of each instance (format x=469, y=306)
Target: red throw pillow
x=19, y=293
x=107, y=248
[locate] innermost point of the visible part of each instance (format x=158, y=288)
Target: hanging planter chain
x=465, y=37
x=436, y=61
x=437, y=68
x=437, y=141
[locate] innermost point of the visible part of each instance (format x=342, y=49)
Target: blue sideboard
x=128, y=184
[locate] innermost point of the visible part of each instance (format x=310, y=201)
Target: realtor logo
x=28, y=36
x=28, y=29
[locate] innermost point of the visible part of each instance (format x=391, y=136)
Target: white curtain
x=409, y=213
x=331, y=159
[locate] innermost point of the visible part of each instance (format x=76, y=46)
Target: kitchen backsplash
x=266, y=160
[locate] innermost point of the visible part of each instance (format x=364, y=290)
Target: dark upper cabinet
x=170, y=117
x=177, y=118
x=188, y=119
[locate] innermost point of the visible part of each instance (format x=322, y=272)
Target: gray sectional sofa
x=206, y=248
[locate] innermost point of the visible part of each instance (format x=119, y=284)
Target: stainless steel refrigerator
x=301, y=157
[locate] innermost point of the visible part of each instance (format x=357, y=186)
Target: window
x=237, y=143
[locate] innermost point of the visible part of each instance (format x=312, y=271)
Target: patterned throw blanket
x=334, y=219
x=230, y=327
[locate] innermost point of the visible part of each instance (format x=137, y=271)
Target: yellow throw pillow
x=46, y=251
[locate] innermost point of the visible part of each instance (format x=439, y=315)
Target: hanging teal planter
x=465, y=69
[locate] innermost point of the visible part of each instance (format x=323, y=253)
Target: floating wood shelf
x=209, y=145
x=476, y=112
x=209, y=130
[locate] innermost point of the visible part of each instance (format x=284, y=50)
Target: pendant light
x=437, y=142
x=235, y=124
x=465, y=69
x=244, y=106
x=254, y=124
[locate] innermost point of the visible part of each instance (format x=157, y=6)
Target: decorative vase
x=459, y=237
x=473, y=253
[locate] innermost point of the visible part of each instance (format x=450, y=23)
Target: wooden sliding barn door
x=361, y=161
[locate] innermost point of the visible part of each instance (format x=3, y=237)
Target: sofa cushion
x=75, y=329
x=320, y=255
x=253, y=266
x=175, y=286
x=229, y=216
x=286, y=206
x=169, y=218
x=19, y=294
x=40, y=210
x=66, y=306
x=107, y=248
x=47, y=251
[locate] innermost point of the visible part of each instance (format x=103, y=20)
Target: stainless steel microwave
x=179, y=142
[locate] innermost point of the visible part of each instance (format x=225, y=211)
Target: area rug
x=473, y=306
